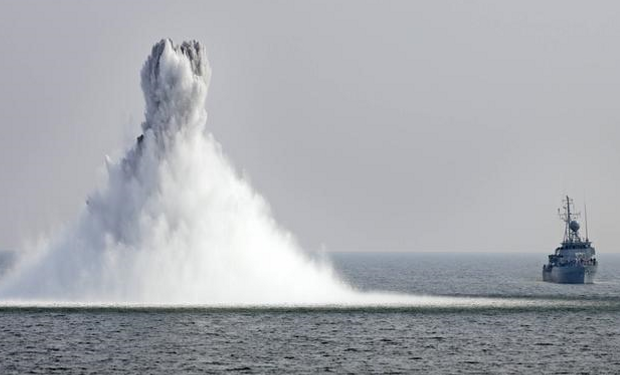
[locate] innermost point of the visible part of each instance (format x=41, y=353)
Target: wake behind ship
x=573, y=262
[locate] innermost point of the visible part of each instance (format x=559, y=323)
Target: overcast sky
x=374, y=126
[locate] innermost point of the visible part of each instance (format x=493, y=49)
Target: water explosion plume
x=174, y=223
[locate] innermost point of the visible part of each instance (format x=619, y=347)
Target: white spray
x=174, y=223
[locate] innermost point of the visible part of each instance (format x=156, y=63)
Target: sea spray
x=174, y=223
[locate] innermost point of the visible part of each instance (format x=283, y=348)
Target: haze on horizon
x=371, y=126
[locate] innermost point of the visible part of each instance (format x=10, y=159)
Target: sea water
x=552, y=328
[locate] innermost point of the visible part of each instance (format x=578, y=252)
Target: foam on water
x=369, y=302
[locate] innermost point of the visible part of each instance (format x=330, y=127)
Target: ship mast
x=585, y=212
x=568, y=218
x=571, y=229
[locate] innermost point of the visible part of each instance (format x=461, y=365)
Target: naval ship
x=573, y=262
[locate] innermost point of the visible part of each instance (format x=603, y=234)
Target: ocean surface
x=547, y=328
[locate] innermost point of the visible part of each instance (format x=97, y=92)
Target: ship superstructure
x=574, y=261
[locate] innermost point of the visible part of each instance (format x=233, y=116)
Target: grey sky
x=411, y=126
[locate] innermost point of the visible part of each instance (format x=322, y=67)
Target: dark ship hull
x=580, y=274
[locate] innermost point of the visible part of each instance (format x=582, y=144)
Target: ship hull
x=570, y=274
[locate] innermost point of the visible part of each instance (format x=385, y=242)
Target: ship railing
x=578, y=262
